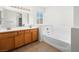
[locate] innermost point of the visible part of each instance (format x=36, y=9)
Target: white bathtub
x=58, y=37
x=60, y=43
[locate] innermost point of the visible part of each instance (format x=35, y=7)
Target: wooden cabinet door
x=19, y=39
x=6, y=44
x=28, y=37
x=34, y=34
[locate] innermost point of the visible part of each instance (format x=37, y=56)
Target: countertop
x=16, y=29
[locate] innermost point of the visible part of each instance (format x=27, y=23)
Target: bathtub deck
x=37, y=47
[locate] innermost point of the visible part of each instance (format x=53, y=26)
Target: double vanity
x=17, y=28
x=15, y=38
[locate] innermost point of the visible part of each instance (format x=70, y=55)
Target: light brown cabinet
x=28, y=38
x=7, y=41
x=19, y=39
x=6, y=44
x=12, y=40
x=34, y=34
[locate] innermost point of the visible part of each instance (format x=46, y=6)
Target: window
x=39, y=16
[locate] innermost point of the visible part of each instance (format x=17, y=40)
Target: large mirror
x=0, y=17
x=14, y=19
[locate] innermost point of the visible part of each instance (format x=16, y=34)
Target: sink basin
x=8, y=28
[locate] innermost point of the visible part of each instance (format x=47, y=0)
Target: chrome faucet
x=30, y=26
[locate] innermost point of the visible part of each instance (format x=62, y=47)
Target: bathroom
x=53, y=24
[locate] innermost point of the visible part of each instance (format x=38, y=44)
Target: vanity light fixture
x=20, y=7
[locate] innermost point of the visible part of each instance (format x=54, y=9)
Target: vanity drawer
x=7, y=35
x=21, y=32
x=27, y=31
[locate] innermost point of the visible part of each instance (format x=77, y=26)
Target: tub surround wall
x=61, y=19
